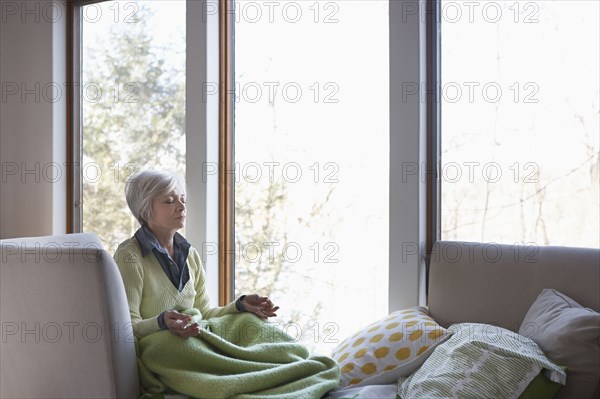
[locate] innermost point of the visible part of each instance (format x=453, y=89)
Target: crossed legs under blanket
x=235, y=356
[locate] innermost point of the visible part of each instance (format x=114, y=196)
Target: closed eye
x=172, y=201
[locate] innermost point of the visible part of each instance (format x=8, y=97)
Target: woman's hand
x=259, y=305
x=181, y=324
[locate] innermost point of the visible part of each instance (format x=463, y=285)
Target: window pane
x=520, y=122
x=312, y=163
x=133, y=95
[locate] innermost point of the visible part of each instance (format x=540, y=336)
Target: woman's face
x=169, y=211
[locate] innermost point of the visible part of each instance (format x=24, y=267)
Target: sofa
x=66, y=331
x=497, y=284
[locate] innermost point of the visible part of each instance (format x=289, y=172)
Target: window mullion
x=226, y=158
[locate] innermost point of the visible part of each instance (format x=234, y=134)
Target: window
x=312, y=162
x=133, y=104
x=520, y=98
x=320, y=188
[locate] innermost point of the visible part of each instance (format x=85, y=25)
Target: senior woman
x=183, y=344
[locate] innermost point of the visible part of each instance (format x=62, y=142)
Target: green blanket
x=235, y=356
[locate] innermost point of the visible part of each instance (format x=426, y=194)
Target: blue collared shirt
x=176, y=269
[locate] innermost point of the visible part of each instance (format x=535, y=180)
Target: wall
x=407, y=154
x=32, y=119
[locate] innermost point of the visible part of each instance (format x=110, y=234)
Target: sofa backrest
x=496, y=284
x=66, y=329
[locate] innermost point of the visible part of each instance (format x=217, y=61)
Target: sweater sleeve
x=202, y=301
x=132, y=272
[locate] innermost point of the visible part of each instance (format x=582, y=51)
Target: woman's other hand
x=259, y=305
x=181, y=324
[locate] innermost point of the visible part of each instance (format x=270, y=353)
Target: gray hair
x=143, y=187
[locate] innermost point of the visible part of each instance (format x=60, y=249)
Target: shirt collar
x=148, y=241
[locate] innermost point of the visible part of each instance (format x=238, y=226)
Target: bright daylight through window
x=520, y=118
x=312, y=162
x=133, y=96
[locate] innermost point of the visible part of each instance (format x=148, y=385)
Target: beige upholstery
x=496, y=284
x=66, y=330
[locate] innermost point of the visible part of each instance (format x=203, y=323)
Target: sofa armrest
x=66, y=330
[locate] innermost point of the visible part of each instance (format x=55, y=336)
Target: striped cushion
x=480, y=361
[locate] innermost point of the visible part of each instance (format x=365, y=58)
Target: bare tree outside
x=520, y=128
x=312, y=156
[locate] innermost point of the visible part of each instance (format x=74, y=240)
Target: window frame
x=415, y=132
x=74, y=170
x=434, y=113
x=226, y=151
x=74, y=153
x=422, y=27
x=201, y=123
x=424, y=68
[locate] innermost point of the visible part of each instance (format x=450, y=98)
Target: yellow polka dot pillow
x=390, y=348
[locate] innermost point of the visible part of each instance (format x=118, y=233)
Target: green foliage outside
x=135, y=121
